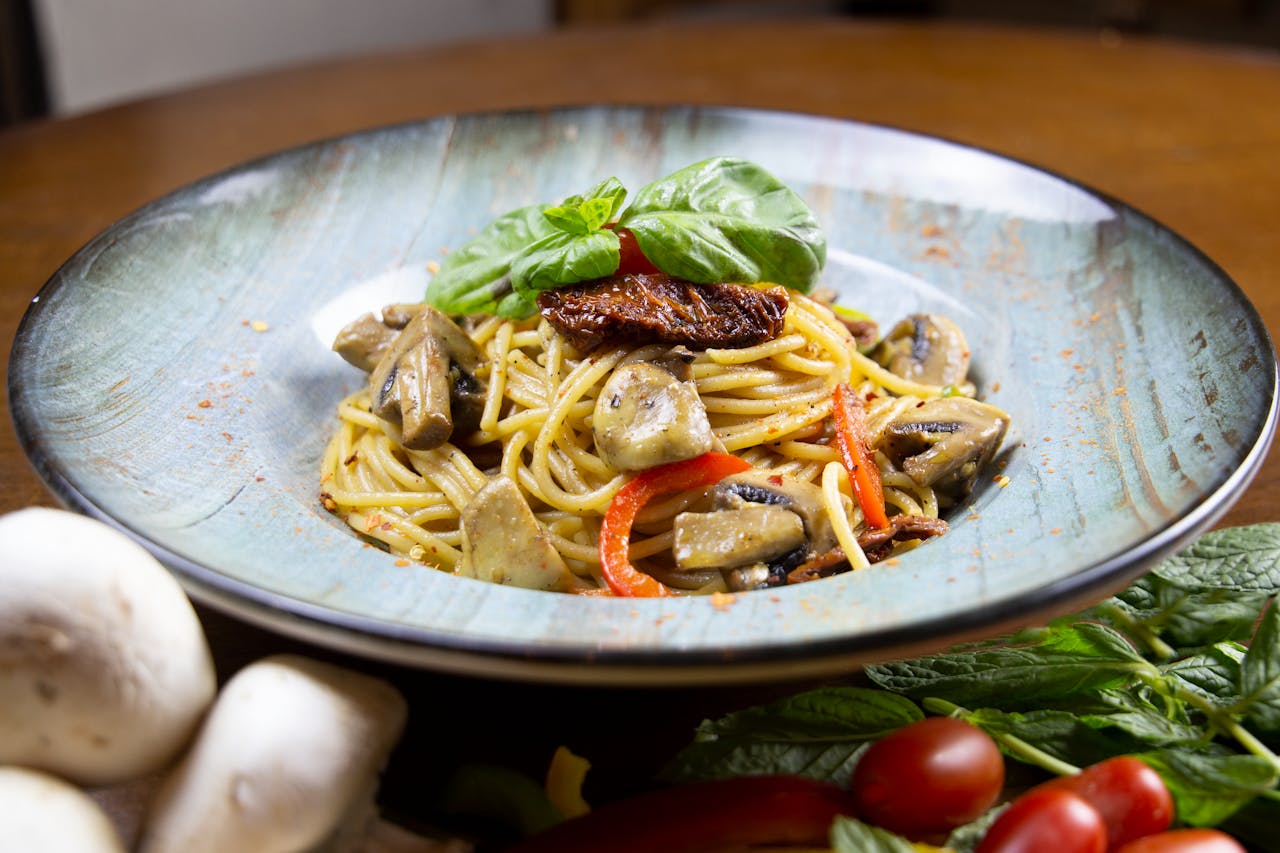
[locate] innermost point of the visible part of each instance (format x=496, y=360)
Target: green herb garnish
x=720, y=220
x=1182, y=669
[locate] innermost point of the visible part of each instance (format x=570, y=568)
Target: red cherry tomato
x=1185, y=841
x=1131, y=797
x=631, y=260
x=928, y=777
x=1046, y=819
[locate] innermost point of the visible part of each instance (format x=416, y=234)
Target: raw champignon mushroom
x=502, y=541
x=644, y=417
x=288, y=759
x=422, y=377
x=104, y=668
x=40, y=813
x=925, y=348
x=944, y=442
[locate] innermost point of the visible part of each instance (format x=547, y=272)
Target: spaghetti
x=769, y=404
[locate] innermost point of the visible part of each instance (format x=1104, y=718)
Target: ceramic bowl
x=175, y=378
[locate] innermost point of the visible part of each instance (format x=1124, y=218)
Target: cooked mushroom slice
x=735, y=537
x=945, y=442
x=425, y=381
x=363, y=341
x=763, y=487
x=644, y=417
x=503, y=542
x=925, y=348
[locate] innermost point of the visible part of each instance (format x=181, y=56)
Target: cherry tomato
x=631, y=260
x=1185, y=841
x=928, y=777
x=1131, y=797
x=1046, y=819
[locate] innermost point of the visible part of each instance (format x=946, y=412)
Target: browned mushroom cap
x=645, y=417
x=425, y=381
x=925, y=348
x=945, y=442
x=363, y=341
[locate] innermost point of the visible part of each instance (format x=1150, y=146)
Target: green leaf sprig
x=1182, y=670
x=720, y=220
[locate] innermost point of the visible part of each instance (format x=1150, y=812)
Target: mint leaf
x=727, y=220
x=853, y=836
x=1066, y=661
x=1143, y=722
x=1213, y=673
x=1243, y=558
x=817, y=734
x=1208, y=788
x=1189, y=618
x=1260, y=675
x=1060, y=734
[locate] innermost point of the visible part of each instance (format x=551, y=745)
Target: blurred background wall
x=66, y=56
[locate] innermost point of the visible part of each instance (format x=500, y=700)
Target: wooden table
x=1187, y=133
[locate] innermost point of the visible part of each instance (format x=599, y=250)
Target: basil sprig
x=723, y=219
x=1182, y=670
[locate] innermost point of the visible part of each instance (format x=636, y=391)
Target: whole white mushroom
x=40, y=813
x=104, y=669
x=287, y=760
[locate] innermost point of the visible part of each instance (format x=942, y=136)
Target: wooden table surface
x=1186, y=133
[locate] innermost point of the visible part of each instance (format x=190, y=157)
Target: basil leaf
x=1067, y=661
x=727, y=220
x=817, y=733
x=1208, y=788
x=531, y=249
x=565, y=258
x=1260, y=675
x=581, y=215
x=474, y=278
x=1243, y=558
x=853, y=836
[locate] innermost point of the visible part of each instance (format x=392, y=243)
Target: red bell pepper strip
x=694, y=818
x=853, y=444
x=615, y=533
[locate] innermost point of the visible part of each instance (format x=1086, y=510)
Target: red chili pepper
x=749, y=810
x=853, y=443
x=615, y=533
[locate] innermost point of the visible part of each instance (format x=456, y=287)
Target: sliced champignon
x=363, y=341
x=764, y=487
x=502, y=541
x=644, y=417
x=40, y=813
x=425, y=381
x=104, y=668
x=944, y=442
x=925, y=348
x=735, y=537
x=287, y=759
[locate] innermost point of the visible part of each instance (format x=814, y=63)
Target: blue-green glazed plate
x=175, y=379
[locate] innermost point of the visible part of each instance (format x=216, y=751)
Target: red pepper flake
x=350, y=460
x=1055, y=531
x=205, y=404
x=402, y=563
x=227, y=436
x=722, y=601
x=328, y=502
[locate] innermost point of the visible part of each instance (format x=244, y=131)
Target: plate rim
x=431, y=649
